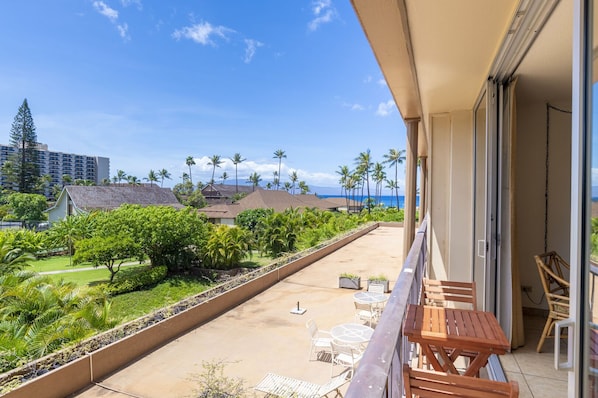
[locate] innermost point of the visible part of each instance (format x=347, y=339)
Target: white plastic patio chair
x=282, y=386
x=345, y=355
x=365, y=312
x=320, y=340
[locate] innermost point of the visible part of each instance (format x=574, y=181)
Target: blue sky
x=148, y=83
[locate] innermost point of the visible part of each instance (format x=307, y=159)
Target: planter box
x=349, y=283
x=383, y=285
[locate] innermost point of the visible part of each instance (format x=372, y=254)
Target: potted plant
x=378, y=280
x=349, y=281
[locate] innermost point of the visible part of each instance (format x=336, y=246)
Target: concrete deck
x=261, y=335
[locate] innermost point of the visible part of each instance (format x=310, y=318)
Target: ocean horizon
x=386, y=200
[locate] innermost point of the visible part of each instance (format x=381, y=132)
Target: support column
x=423, y=187
x=410, y=184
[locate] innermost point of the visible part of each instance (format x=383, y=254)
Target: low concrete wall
x=82, y=372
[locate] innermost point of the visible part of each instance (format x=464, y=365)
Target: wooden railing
x=379, y=374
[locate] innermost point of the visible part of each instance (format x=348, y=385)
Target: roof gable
x=112, y=196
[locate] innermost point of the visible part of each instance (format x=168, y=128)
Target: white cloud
x=382, y=82
x=251, y=46
x=126, y=3
x=385, y=108
x=594, y=177
x=367, y=79
x=123, y=31
x=323, y=12
x=106, y=11
x=354, y=107
x=202, y=33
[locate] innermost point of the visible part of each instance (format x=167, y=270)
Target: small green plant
x=380, y=277
x=214, y=384
x=348, y=275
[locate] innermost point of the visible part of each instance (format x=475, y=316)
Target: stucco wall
x=451, y=195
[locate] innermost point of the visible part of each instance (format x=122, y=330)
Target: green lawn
x=129, y=306
x=126, y=307
x=54, y=263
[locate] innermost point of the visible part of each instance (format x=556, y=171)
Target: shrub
x=133, y=279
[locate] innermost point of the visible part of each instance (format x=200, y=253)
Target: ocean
x=386, y=200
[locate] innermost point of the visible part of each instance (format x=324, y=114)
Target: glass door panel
x=480, y=243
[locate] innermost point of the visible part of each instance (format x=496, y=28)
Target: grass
x=54, y=263
x=129, y=306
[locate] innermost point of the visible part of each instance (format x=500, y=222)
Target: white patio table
x=352, y=333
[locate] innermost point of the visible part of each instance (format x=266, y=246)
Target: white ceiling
x=454, y=44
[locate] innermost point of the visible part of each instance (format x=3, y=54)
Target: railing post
x=379, y=374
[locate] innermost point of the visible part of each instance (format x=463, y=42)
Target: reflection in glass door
x=485, y=176
x=479, y=203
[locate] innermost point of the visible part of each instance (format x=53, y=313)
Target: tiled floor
x=534, y=371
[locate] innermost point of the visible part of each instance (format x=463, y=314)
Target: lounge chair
x=282, y=386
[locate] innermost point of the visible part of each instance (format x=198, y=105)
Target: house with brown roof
x=223, y=193
x=78, y=199
x=279, y=201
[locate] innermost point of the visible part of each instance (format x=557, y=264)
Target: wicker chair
x=556, y=289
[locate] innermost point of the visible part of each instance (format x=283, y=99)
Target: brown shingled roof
x=267, y=199
x=107, y=197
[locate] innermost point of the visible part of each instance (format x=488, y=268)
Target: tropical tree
x=237, y=159
x=227, y=247
x=287, y=186
x=303, y=187
x=109, y=251
x=151, y=177
x=345, y=173
x=25, y=165
x=12, y=258
x=279, y=153
x=190, y=162
x=275, y=179
x=66, y=232
x=364, y=163
x=294, y=178
x=215, y=161
x=378, y=176
x=224, y=177
x=68, y=180
x=395, y=157
x=392, y=185
x=40, y=315
x=254, y=179
x=163, y=174
x=120, y=176
x=133, y=180
x=28, y=206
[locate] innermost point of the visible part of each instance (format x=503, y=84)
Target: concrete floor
x=261, y=335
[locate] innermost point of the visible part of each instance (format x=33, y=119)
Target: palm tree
x=392, y=185
x=279, y=153
x=120, y=175
x=378, y=175
x=294, y=178
x=214, y=162
x=275, y=179
x=394, y=157
x=303, y=187
x=254, y=179
x=163, y=174
x=190, y=162
x=66, y=179
x=133, y=180
x=364, y=162
x=345, y=173
x=236, y=160
x=224, y=177
x=287, y=186
x=151, y=177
